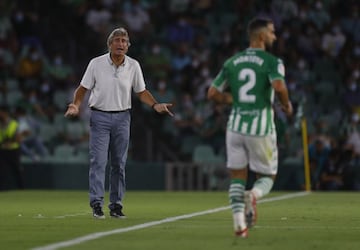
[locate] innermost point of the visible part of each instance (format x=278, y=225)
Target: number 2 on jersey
x=250, y=76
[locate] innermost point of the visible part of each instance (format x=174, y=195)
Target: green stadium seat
x=203, y=154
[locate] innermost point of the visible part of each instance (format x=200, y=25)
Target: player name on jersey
x=251, y=59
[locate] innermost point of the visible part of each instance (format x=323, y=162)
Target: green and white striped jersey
x=249, y=74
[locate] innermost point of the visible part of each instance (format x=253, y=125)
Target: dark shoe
x=116, y=212
x=97, y=211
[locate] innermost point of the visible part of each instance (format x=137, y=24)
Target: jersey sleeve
x=139, y=82
x=88, y=79
x=277, y=70
x=220, y=81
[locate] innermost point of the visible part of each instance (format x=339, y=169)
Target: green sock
x=262, y=187
x=236, y=195
x=237, y=203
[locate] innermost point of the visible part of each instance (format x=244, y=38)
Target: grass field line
x=40, y=216
x=71, y=215
x=97, y=235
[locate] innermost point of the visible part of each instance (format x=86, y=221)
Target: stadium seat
x=61, y=98
x=188, y=144
x=212, y=165
x=203, y=154
x=64, y=150
x=81, y=157
x=12, y=97
x=12, y=84
x=47, y=132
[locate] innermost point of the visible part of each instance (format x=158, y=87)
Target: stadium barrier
x=172, y=176
x=195, y=176
x=74, y=176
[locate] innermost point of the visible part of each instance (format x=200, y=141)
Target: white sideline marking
x=71, y=215
x=94, y=236
x=40, y=216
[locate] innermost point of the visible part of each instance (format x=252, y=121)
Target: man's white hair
x=118, y=32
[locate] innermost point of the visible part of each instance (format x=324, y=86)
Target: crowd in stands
x=181, y=44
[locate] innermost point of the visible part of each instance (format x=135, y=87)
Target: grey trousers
x=109, y=141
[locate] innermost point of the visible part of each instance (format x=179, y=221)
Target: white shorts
x=259, y=152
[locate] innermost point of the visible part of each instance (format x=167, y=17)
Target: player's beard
x=269, y=45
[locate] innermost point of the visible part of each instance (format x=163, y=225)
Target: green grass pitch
x=35, y=219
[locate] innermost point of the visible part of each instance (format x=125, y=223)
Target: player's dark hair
x=257, y=23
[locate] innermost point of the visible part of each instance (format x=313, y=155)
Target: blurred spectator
x=137, y=19
x=351, y=154
x=318, y=156
x=286, y=9
x=353, y=136
x=213, y=128
x=333, y=40
x=59, y=71
x=162, y=93
x=180, y=30
x=185, y=118
x=26, y=24
x=10, y=154
x=157, y=62
x=322, y=131
x=332, y=174
x=351, y=21
x=165, y=94
x=356, y=70
x=356, y=50
x=178, y=6
x=283, y=133
x=351, y=124
x=351, y=167
x=319, y=15
x=6, y=61
x=31, y=64
x=46, y=92
x=189, y=78
x=5, y=22
x=30, y=102
x=351, y=95
x=181, y=57
x=309, y=41
x=31, y=144
x=75, y=133
x=98, y=17
x=201, y=83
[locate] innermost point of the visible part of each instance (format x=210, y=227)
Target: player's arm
x=216, y=91
x=147, y=98
x=73, y=108
x=219, y=97
x=283, y=95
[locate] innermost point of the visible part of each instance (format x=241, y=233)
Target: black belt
x=113, y=111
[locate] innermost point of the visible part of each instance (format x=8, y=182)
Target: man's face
x=269, y=35
x=119, y=45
